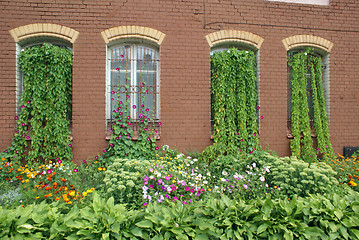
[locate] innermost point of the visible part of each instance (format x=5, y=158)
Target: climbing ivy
x=43, y=121
x=302, y=144
x=121, y=143
x=234, y=100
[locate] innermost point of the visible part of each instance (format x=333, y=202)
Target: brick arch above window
x=44, y=30
x=307, y=41
x=234, y=36
x=123, y=32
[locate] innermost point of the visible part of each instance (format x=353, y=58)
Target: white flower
x=223, y=179
x=195, y=159
x=224, y=173
x=209, y=174
x=205, y=182
x=262, y=178
x=254, y=164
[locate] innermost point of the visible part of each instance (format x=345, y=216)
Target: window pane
x=120, y=58
x=146, y=59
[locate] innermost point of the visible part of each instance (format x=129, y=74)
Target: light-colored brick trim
x=44, y=29
x=234, y=36
x=307, y=40
x=121, y=32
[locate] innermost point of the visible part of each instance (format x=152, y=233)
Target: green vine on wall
x=234, y=100
x=45, y=105
x=302, y=144
x=121, y=144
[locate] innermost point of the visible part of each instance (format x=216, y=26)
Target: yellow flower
x=72, y=193
x=37, y=198
x=50, y=161
x=69, y=202
x=3, y=159
x=99, y=169
x=209, y=189
x=92, y=189
x=84, y=194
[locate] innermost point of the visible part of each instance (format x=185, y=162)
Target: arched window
x=133, y=72
x=234, y=89
x=321, y=58
x=28, y=43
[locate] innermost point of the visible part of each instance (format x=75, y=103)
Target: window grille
x=134, y=74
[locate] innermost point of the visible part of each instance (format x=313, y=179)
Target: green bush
x=330, y=216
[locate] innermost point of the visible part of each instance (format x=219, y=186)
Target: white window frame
x=134, y=45
x=312, y=2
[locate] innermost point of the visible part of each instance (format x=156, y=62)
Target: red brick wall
x=185, y=68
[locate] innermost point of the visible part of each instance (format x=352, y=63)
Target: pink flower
x=111, y=145
x=262, y=117
x=121, y=113
x=129, y=124
x=121, y=55
x=245, y=186
x=128, y=96
x=258, y=107
x=49, y=171
x=148, y=139
x=145, y=129
x=22, y=106
x=104, y=150
x=16, y=117
x=28, y=137
x=96, y=157
x=128, y=117
x=147, y=110
x=75, y=170
x=157, y=148
x=70, y=145
x=174, y=188
x=237, y=133
x=117, y=69
x=152, y=186
x=128, y=137
x=112, y=92
x=59, y=161
x=184, y=202
x=192, y=190
x=120, y=102
x=22, y=124
x=239, y=149
x=159, y=123
x=142, y=104
x=84, y=161
x=134, y=106
x=254, y=134
x=28, y=102
x=145, y=204
x=160, y=181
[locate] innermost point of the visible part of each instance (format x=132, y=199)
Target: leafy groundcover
x=314, y=217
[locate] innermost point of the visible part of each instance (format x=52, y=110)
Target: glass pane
x=120, y=58
x=147, y=79
x=146, y=59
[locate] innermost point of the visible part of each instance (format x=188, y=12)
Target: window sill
x=135, y=128
x=290, y=136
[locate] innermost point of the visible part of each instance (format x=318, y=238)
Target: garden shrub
x=329, y=216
